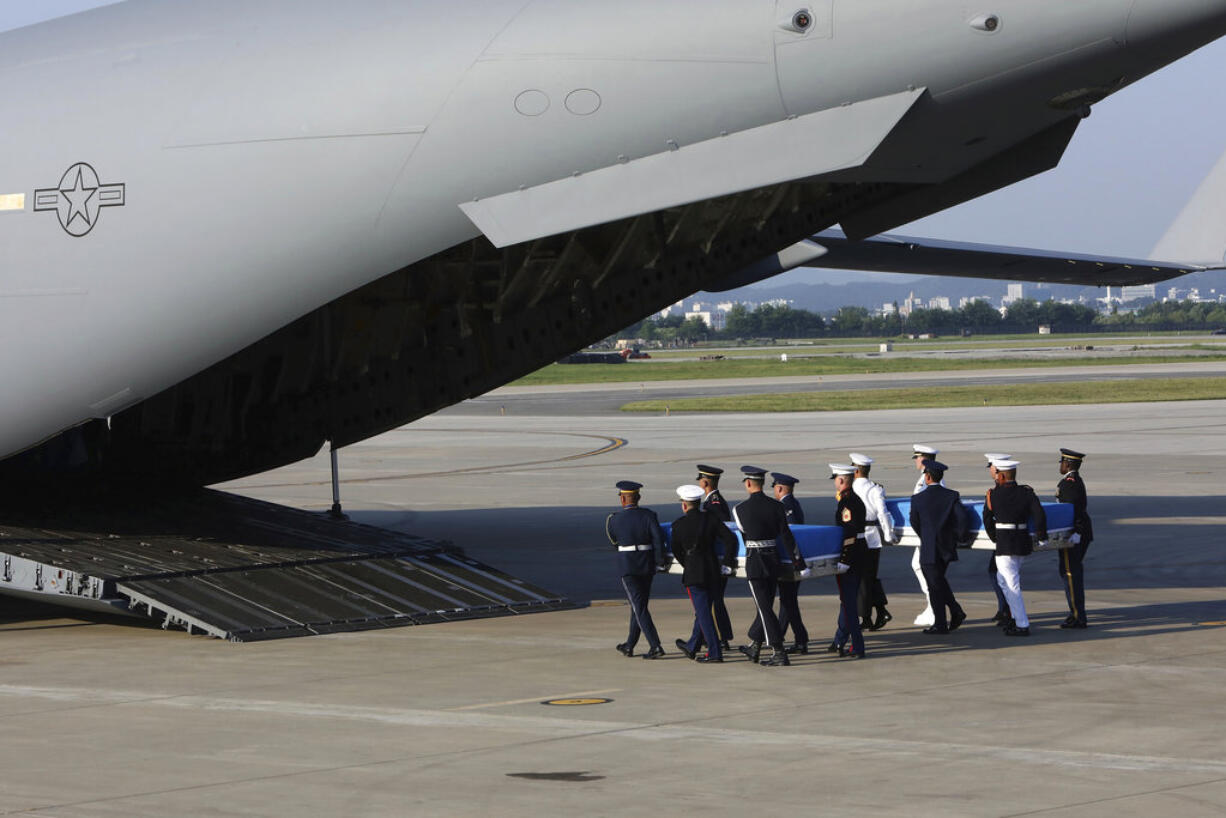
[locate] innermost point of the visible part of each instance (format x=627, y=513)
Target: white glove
x=1041, y=543
x=1075, y=538
x=725, y=570
x=806, y=573
x=842, y=567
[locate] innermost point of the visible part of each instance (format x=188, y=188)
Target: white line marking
x=563, y=728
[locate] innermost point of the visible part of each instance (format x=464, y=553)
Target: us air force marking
x=79, y=199
x=584, y=702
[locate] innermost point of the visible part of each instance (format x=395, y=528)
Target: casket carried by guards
x=820, y=545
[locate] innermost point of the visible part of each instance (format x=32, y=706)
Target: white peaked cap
x=860, y=459
x=1005, y=465
x=920, y=448
x=993, y=456
x=690, y=493
x=842, y=468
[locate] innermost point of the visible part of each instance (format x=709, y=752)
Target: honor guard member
x=764, y=525
x=784, y=486
x=850, y=516
x=714, y=502
x=1003, y=616
x=1007, y=511
x=941, y=522
x=878, y=531
x=920, y=453
x=693, y=539
x=1070, y=489
x=636, y=534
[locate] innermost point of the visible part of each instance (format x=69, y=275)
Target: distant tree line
x=1171, y=314
x=979, y=317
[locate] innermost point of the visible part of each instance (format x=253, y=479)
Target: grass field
x=1129, y=391
x=852, y=345
x=648, y=371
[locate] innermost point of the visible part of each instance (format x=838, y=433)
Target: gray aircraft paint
x=275, y=155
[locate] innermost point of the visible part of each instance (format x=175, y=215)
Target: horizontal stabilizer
x=905, y=254
x=1199, y=234
x=812, y=145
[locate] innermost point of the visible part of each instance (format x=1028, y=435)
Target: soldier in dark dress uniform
x=941, y=522
x=850, y=515
x=636, y=534
x=1007, y=511
x=714, y=502
x=784, y=486
x=763, y=523
x=1071, y=489
x=693, y=539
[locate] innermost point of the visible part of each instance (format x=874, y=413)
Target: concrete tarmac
x=101, y=718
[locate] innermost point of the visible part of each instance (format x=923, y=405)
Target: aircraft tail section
x=1199, y=233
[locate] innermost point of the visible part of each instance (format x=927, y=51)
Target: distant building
x=1139, y=291
x=962, y=302
x=888, y=309
x=940, y=302
x=910, y=305
x=714, y=319
x=1016, y=292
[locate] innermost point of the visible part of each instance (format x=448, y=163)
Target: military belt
x=1011, y=526
x=759, y=544
x=634, y=548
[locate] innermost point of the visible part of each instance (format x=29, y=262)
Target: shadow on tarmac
x=563, y=549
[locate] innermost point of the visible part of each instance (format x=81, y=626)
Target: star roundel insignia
x=847, y=515
x=79, y=199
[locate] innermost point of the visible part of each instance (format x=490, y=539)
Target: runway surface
x=104, y=719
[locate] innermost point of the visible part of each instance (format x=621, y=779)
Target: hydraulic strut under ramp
x=243, y=570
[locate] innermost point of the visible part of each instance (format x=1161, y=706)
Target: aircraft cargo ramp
x=244, y=570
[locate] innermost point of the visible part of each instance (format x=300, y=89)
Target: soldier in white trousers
x=920, y=453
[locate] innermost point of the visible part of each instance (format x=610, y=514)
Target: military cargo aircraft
x=234, y=231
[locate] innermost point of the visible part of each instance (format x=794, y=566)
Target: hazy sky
x=1130, y=169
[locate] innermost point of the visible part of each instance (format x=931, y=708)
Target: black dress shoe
x=935, y=631
x=1007, y=622
x=625, y=650
x=752, y=650
x=708, y=659
x=834, y=647
x=866, y=624
x=797, y=647
x=883, y=616
x=1014, y=630
x=1000, y=618
x=681, y=646
x=850, y=654
x=723, y=645
x=1074, y=625
x=956, y=620
x=654, y=653
x=778, y=659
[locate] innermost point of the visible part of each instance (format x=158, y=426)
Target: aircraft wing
x=906, y=254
